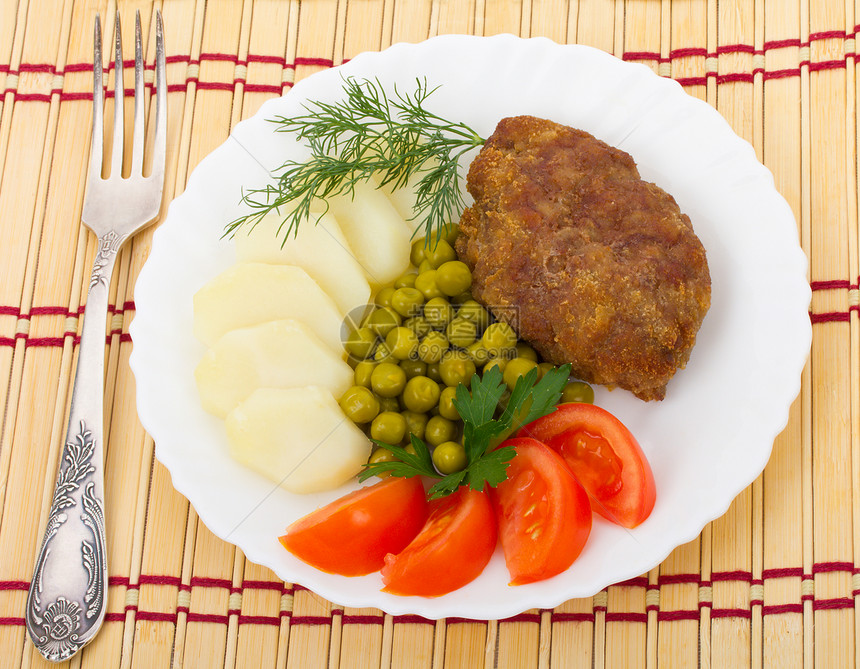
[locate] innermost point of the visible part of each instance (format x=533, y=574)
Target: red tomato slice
x=543, y=512
x=451, y=550
x=604, y=456
x=352, y=535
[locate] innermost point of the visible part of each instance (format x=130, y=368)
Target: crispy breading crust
x=589, y=263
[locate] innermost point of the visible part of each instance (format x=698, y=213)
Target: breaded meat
x=588, y=262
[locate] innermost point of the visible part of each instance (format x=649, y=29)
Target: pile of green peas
x=423, y=336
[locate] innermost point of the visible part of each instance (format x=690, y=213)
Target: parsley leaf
x=407, y=464
x=478, y=407
x=482, y=433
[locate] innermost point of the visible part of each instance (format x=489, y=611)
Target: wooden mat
x=774, y=583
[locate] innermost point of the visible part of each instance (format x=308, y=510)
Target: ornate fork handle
x=66, y=602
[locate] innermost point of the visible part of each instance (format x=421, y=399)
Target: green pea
x=451, y=231
x=515, y=369
x=449, y=457
x=425, y=266
x=433, y=372
x=383, y=297
x=360, y=343
x=439, y=430
x=388, y=404
x=416, y=423
x=381, y=321
x=416, y=253
x=501, y=363
x=359, y=404
x=499, y=337
x=405, y=280
x=382, y=354
x=479, y=355
x=387, y=380
x=420, y=394
x=446, y=404
x=438, y=253
x=526, y=351
x=418, y=325
x=453, y=277
x=432, y=347
x=578, y=391
x=473, y=311
x=413, y=368
x=363, y=370
x=426, y=283
x=407, y=301
x=543, y=368
x=381, y=455
x=456, y=367
x=461, y=332
x=438, y=312
x=402, y=343
x=462, y=298
x=388, y=427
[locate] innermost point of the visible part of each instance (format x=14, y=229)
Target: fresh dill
x=367, y=134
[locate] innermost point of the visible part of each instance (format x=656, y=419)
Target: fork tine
x=139, y=125
x=118, y=105
x=97, y=138
x=160, y=148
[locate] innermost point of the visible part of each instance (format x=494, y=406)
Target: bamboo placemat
x=773, y=583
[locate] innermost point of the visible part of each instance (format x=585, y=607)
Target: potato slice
x=403, y=199
x=251, y=293
x=320, y=249
x=275, y=354
x=297, y=437
x=375, y=231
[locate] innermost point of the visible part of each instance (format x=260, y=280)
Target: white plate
x=706, y=441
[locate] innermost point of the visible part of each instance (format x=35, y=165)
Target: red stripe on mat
x=626, y=617
x=674, y=54
x=411, y=619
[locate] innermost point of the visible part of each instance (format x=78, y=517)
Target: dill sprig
x=368, y=133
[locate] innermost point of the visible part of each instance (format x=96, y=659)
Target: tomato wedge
x=352, y=535
x=543, y=513
x=604, y=456
x=451, y=550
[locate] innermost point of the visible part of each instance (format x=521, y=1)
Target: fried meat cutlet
x=588, y=262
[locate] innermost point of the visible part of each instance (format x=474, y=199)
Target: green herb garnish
x=368, y=134
x=487, y=465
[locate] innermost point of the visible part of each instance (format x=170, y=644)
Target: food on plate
x=562, y=234
x=319, y=247
x=296, y=437
x=450, y=551
x=604, y=456
x=489, y=486
x=274, y=354
x=591, y=264
x=543, y=513
x=377, y=235
x=251, y=293
x=352, y=535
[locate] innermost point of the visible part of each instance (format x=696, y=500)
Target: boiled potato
x=251, y=293
x=275, y=354
x=319, y=248
x=297, y=437
x=375, y=231
x=403, y=199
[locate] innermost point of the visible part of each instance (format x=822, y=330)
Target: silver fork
x=66, y=602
